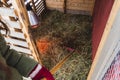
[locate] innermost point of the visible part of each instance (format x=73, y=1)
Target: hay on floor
x=59, y=31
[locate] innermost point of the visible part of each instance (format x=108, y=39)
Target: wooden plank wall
x=72, y=6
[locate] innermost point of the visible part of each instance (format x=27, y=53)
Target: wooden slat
x=21, y=49
x=14, y=34
x=13, y=24
x=38, y=2
x=40, y=11
x=16, y=42
x=17, y=35
x=7, y=12
x=40, y=8
x=5, y=17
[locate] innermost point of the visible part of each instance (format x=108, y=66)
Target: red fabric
x=33, y=69
x=101, y=13
x=44, y=73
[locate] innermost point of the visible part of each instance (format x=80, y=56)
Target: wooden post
x=101, y=60
x=21, y=11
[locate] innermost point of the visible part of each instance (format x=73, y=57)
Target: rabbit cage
x=74, y=39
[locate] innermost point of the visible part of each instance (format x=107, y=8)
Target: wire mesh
x=113, y=72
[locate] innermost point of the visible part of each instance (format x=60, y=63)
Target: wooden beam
x=14, y=24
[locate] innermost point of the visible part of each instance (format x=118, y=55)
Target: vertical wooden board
x=7, y=12
x=55, y=4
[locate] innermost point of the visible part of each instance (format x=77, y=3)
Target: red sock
x=40, y=72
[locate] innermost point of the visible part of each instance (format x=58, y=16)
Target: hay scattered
x=76, y=68
x=66, y=30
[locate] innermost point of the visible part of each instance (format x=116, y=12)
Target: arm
x=22, y=63
x=25, y=66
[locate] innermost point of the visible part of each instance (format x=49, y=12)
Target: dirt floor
x=58, y=32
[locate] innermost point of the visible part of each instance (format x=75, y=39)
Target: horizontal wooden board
x=83, y=12
x=40, y=10
x=55, y=3
x=20, y=49
x=79, y=1
x=13, y=24
x=14, y=34
x=16, y=42
x=3, y=17
x=80, y=5
x=7, y=12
